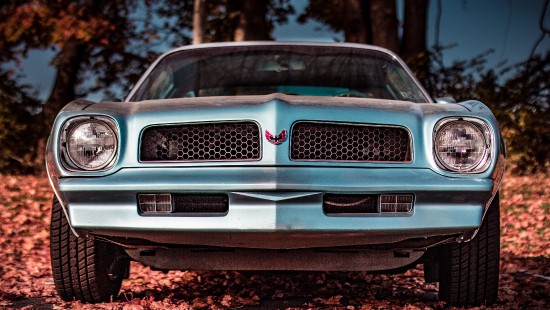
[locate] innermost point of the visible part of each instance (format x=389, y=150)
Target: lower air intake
x=183, y=203
x=199, y=203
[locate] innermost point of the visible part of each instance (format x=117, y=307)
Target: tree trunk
x=253, y=23
x=383, y=14
x=64, y=91
x=414, y=28
x=199, y=21
x=413, y=44
x=68, y=67
x=355, y=24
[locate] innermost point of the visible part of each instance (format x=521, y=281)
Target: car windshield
x=293, y=70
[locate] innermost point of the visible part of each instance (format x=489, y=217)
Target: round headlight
x=91, y=144
x=460, y=146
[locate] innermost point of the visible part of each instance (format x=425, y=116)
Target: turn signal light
x=150, y=203
x=396, y=203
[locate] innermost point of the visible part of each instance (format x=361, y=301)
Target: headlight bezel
x=69, y=126
x=487, y=133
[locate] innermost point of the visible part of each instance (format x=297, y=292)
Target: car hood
x=250, y=102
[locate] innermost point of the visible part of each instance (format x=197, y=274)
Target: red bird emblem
x=277, y=139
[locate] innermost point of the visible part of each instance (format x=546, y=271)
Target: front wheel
x=83, y=269
x=468, y=273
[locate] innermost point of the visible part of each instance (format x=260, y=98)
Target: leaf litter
x=26, y=279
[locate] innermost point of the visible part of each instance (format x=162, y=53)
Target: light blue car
x=276, y=156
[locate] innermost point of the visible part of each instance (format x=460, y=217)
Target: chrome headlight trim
x=68, y=128
x=484, y=161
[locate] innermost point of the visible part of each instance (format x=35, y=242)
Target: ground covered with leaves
x=26, y=279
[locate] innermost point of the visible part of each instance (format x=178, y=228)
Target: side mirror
x=445, y=100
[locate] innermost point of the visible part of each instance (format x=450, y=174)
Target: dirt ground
x=26, y=280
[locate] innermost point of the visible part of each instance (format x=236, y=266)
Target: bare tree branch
x=437, y=24
x=542, y=29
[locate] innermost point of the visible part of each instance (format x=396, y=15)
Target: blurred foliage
x=222, y=18
x=98, y=45
x=327, y=12
x=518, y=95
x=20, y=127
x=114, y=36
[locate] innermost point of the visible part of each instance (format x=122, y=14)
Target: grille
x=318, y=141
x=201, y=142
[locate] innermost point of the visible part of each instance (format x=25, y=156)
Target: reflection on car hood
x=197, y=103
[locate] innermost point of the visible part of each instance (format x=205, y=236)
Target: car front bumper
x=275, y=207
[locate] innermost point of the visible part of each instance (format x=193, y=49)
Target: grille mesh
x=201, y=142
x=318, y=141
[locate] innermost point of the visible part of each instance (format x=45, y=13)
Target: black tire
x=469, y=270
x=81, y=266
